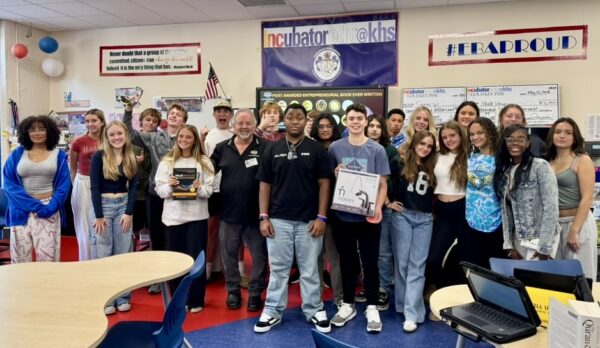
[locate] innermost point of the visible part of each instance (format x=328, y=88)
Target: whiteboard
x=442, y=101
x=540, y=102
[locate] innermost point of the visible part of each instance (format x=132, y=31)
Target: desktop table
x=51, y=304
x=459, y=294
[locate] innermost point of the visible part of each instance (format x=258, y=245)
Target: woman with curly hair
x=37, y=183
x=484, y=237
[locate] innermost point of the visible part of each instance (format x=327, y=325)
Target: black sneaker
x=265, y=323
x=326, y=279
x=321, y=322
x=360, y=297
x=383, y=301
x=234, y=300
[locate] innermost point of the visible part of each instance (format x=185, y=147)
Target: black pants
x=189, y=238
x=154, y=210
x=448, y=224
x=477, y=247
x=346, y=235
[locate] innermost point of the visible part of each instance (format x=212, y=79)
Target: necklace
x=292, y=149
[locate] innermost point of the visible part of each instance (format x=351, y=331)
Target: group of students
x=495, y=192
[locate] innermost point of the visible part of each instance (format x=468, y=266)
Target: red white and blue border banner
x=150, y=60
x=509, y=46
x=357, y=50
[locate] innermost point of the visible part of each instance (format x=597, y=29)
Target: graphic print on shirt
x=421, y=185
x=357, y=164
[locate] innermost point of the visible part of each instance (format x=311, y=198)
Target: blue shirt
x=483, y=207
x=398, y=140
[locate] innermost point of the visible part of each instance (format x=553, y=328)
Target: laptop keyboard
x=493, y=316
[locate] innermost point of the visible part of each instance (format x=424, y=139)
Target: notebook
x=502, y=311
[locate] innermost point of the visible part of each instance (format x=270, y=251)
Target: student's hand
x=100, y=226
x=125, y=223
x=140, y=159
x=515, y=255
x=541, y=256
x=173, y=182
x=197, y=183
x=573, y=241
x=203, y=132
x=316, y=228
x=266, y=122
x=266, y=229
x=396, y=206
x=376, y=218
x=337, y=169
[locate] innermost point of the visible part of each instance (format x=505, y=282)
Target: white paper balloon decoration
x=53, y=67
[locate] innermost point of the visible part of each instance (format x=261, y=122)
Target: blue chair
x=169, y=332
x=4, y=243
x=562, y=267
x=324, y=341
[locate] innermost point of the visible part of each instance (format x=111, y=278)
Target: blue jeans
x=290, y=235
x=114, y=241
x=411, y=238
x=386, y=257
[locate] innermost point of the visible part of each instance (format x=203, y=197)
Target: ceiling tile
x=273, y=12
x=419, y=3
x=320, y=9
x=313, y=2
x=369, y=6
x=32, y=11
x=70, y=23
x=222, y=10
x=42, y=2
x=117, y=7
x=147, y=19
x=74, y=9
x=107, y=21
x=162, y=5
x=191, y=16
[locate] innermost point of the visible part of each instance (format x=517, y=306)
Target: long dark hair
x=490, y=132
x=466, y=103
x=335, y=131
x=384, y=139
x=411, y=167
x=504, y=162
x=578, y=142
x=52, y=131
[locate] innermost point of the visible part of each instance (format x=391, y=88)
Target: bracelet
x=322, y=218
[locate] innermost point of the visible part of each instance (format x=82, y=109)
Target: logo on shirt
x=357, y=164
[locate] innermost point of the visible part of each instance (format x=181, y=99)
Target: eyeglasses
x=517, y=141
x=37, y=129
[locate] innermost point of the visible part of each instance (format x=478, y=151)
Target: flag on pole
x=211, y=84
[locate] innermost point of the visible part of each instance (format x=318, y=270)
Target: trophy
x=132, y=100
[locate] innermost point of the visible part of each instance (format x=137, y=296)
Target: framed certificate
x=356, y=192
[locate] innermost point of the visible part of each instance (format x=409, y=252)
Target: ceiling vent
x=263, y=3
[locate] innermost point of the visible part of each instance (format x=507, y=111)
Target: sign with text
x=355, y=192
x=356, y=50
x=509, y=46
x=150, y=60
x=442, y=101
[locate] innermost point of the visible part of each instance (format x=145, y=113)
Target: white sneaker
x=345, y=313
x=409, y=326
x=373, y=321
x=265, y=323
x=124, y=307
x=108, y=310
x=321, y=322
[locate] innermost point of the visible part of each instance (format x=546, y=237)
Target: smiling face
x=512, y=116
x=271, y=114
x=325, y=129
x=243, y=126
x=38, y=134
x=185, y=140
x=116, y=136
x=222, y=117
x=478, y=136
x=175, y=118
x=374, y=130
x=149, y=124
x=466, y=115
x=516, y=144
x=395, y=123
x=563, y=137
x=295, y=120
x=93, y=123
x=451, y=139
x=424, y=147
x=421, y=121
x=356, y=122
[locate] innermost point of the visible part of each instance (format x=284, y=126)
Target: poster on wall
x=191, y=104
x=442, y=101
x=128, y=93
x=150, y=60
x=331, y=100
x=77, y=123
x=330, y=51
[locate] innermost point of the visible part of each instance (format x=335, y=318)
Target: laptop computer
x=502, y=311
x=580, y=286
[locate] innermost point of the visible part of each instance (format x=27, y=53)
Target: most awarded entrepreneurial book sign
x=356, y=192
x=185, y=190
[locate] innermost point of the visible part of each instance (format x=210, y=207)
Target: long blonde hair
x=411, y=127
x=109, y=160
x=100, y=114
x=175, y=153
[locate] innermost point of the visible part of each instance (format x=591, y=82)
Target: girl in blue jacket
x=36, y=182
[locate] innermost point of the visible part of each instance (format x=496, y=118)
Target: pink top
x=85, y=146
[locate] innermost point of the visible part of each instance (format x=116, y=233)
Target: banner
x=358, y=50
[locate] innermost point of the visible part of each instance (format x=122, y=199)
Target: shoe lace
x=321, y=316
x=345, y=310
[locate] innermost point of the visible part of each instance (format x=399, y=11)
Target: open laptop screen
x=501, y=295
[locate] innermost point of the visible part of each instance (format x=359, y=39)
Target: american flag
x=211, y=84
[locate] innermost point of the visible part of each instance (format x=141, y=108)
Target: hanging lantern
x=19, y=50
x=53, y=67
x=48, y=44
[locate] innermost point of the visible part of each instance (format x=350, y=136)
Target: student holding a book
x=185, y=212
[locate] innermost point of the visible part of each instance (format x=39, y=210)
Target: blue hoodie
x=20, y=203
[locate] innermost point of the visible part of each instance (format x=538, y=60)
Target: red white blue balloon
x=53, y=67
x=48, y=44
x=19, y=50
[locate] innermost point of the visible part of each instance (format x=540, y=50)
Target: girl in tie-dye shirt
x=484, y=237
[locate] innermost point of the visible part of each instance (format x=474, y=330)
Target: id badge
x=251, y=162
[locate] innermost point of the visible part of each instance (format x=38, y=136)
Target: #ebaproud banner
x=356, y=50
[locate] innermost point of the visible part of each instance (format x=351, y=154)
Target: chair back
x=171, y=332
x=562, y=267
x=324, y=341
x=3, y=207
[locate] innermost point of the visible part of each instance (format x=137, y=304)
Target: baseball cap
x=222, y=104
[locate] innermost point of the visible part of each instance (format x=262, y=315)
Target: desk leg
x=460, y=341
x=164, y=289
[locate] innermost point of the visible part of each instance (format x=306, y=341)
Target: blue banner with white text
x=359, y=50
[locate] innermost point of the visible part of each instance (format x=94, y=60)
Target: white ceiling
x=60, y=15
